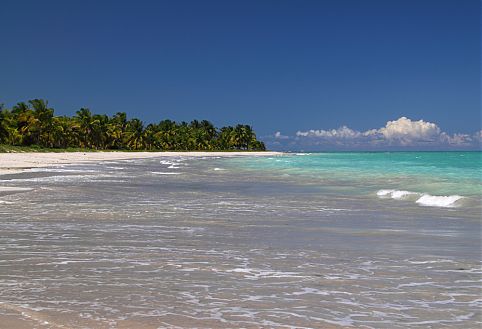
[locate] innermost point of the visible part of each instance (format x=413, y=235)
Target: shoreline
x=13, y=163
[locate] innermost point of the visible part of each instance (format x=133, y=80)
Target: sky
x=306, y=74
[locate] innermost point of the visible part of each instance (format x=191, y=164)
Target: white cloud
x=405, y=131
x=478, y=136
x=456, y=139
x=278, y=135
x=342, y=133
x=402, y=132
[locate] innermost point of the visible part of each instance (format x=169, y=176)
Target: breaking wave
x=423, y=199
x=439, y=201
x=396, y=194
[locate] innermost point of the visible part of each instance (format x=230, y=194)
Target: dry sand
x=16, y=162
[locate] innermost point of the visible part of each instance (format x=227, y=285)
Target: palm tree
x=28, y=125
x=115, y=129
x=21, y=107
x=99, y=130
x=59, y=133
x=84, y=120
x=150, y=139
x=21, y=111
x=225, y=138
x=9, y=133
x=166, y=135
x=34, y=123
x=134, y=135
x=4, y=125
x=44, y=115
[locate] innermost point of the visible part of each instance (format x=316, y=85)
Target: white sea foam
x=382, y=193
x=396, y=194
x=423, y=199
x=313, y=291
x=171, y=162
x=416, y=284
x=399, y=195
x=255, y=274
x=217, y=169
x=115, y=168
x=14, y=189
x=62, y=169
x=66, y=178
x=165, y=173
x=448, y=201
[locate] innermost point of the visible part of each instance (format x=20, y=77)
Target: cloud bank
x=402, y=133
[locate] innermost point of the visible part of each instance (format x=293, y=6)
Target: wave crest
x=396, y=194
x=423, y=199
x=439, y=200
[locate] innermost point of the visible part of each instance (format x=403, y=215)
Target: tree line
x=34, y=123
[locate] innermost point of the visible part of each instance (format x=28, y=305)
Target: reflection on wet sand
x=117, y=246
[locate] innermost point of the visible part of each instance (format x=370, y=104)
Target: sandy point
x=16, y=162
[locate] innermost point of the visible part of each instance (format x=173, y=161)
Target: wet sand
x=16, y=162
x=215, y=242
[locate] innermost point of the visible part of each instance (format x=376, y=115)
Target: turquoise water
x=433, y=173
x=326, y=240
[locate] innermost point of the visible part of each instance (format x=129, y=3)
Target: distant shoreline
x=11, y=163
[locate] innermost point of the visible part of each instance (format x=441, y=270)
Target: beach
x=140, y=187
x=204, y=240
x=16, y=162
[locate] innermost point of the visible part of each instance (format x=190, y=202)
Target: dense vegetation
x=34, y=124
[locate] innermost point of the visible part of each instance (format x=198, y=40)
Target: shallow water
x=291, y=241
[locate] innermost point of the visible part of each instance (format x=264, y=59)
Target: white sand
x=16, y=162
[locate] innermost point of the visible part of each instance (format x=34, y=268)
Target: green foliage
x=33, y=126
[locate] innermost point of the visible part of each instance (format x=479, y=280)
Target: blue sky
x=281, y=66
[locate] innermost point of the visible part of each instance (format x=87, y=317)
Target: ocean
x=308, y=240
